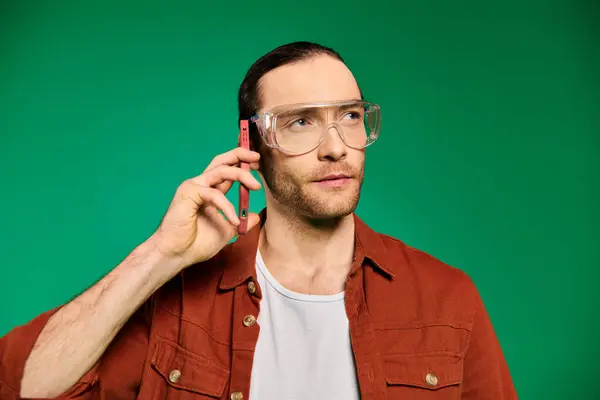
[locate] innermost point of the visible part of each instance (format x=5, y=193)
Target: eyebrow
x=296, y=111
x=351, y=106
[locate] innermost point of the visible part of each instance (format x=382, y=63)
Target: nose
x=333, y=147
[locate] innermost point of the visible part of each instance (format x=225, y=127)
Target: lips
x=334, y=181
x=333, y=177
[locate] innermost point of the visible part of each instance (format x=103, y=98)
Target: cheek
x=357, y=161
x=295, y=169
x=356, y=157
x=295, y=174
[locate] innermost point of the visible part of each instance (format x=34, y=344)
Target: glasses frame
x=269, y=118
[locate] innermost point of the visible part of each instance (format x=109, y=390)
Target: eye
x=300, y=122
x=353, y=115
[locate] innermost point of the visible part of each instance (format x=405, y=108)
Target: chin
x=331, y=207
x=333, y=213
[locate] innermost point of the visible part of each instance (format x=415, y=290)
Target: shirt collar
x=368, y=244
x=240, y=257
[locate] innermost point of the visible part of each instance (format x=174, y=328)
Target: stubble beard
x=296, y=195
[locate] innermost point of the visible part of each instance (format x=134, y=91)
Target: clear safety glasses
x=300, y=128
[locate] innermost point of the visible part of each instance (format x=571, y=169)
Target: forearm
x=78, y=334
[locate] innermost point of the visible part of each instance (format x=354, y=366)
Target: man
x=311, y=304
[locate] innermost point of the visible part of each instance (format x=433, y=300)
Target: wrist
x=163, y=263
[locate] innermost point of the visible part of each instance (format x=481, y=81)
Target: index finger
x=234, y=157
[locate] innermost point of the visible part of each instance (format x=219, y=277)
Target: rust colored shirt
x=418, y=328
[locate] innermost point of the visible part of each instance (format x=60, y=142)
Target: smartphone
x=244, y=193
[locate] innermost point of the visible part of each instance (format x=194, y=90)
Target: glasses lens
x=358, y=124
x=301, y=129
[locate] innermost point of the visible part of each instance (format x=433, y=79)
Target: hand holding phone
x=244, y=193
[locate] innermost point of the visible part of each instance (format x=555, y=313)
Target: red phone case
x=244, y=193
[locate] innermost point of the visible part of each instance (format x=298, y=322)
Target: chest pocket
x=425, y=361
x=423, y=376
x=186, y=375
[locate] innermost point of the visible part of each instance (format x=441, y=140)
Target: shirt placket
x=245, y=336
x=369, y=366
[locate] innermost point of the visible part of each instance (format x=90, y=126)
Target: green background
x=488, y=156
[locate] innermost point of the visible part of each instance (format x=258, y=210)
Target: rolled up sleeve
x=15, y=348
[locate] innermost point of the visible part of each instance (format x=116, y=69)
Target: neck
x=309, y=247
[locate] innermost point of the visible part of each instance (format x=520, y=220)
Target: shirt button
x=236, y=396
x=431, y=379
x=249, y=320
x=251, y=287
x=174, y=376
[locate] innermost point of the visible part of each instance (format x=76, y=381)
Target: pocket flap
x=427, y=370
x=183, y=369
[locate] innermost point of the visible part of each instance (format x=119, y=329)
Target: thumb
x=253, y=220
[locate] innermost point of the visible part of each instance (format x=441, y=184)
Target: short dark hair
x=249, y=93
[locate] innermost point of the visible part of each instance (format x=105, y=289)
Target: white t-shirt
x=303, y=349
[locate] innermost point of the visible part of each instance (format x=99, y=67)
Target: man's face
x=298, y=183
